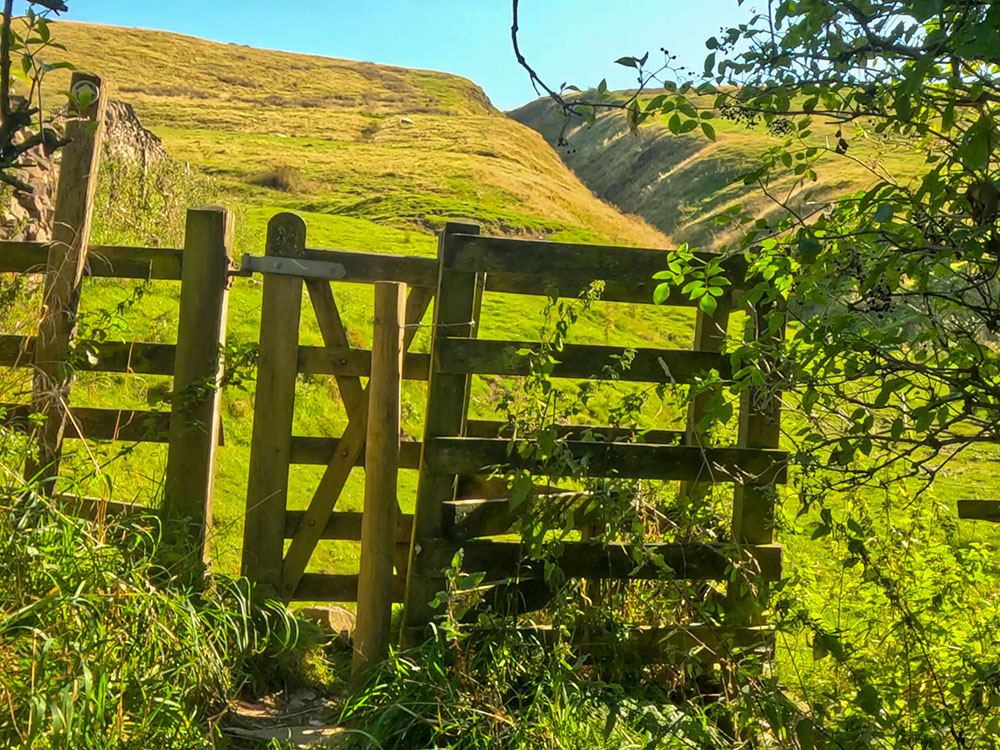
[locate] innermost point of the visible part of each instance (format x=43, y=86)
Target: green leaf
x=708, y=130
x=707, y=304
x=628, y=62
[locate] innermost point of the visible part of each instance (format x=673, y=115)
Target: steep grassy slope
x=269, y=131
x=678, y=183
x=334, y=130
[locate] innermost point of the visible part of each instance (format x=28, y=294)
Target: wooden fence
x=403, y=556
x=192, y=428
x=455, y=448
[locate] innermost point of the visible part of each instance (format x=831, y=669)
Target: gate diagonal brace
x=308, y=269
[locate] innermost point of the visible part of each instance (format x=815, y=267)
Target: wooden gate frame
x=455, y=446
x=274, y=448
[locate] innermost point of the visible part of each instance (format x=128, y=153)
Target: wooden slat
x=595, y=560
x=487, y=428
x=92, y=508
x=467, y=519
x=334, y=335
x=488, y=357
x=979, y=510
x=319, y=451
x=534, y=267
x=346, y=525
x=628, y=460
x=108, y=356
x=274, y=406
x=654, y=644
x=125, y=425
x=322, y=360
x=367, y=268
x=103, y=261
x=333, y=587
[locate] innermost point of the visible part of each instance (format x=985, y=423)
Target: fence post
x=759, y=427
x=195, y=415
x=64, y=270
x=274, y=404
x=378, y=524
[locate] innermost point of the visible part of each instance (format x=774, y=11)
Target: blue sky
x=575, y=41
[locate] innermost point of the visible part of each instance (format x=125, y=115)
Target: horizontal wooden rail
x=979, y=510
x=160, y=263
x=126, y=425
x=467, y=519
x=105, y=356
x=345, y=525
x=322, y=360
x=528, y=267
x=628, y=460
x=91, y=508
x=319, y=450
x=486, y=428
x=490, y=357
x=338, y=587
x=655, y=644
x=103, y=261
x=693, y=561
x=367, y=268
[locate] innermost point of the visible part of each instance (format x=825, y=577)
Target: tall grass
x=99, y=645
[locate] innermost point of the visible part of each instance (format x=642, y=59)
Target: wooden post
x=378, y=524
x=64, y=271
x=709, y=336
x=195, y=416
x=458, y=298
x=274, y=402
x=759, y=427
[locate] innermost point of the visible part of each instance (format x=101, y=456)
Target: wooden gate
x=457, y=447
x=269, y=522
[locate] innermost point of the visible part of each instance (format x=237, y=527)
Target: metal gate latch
x=311, y=269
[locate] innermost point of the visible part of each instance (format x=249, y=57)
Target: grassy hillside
x=270, y=131
x=327, y=136
x=679, y=182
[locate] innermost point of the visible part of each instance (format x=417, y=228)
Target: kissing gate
x=403, y=557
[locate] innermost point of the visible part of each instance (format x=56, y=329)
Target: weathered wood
x=534, y=267
x=709, y=336
x=23, y=257
x=458, y=296
x=320, y=360
x=470, y=518
x=346, y=525
x=979, y=510
x=596, y=560
x=334, y=335
x=320, y=450
x=378, y=527
x=274, y=403
x=344, y=458
x=197, y=399
x=655, y=645
x=337, y=587
x=628, y=460
x=95, y=356
x=125, y=425
x=367, y=268
x=486, y=428
x=122, y=262
x=483, y=356
x=64, y=271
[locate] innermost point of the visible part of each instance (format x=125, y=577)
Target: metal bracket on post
x=308, y=269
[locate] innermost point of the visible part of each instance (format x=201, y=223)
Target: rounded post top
x=286, y=235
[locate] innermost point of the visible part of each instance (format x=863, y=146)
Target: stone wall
x=28, y=216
